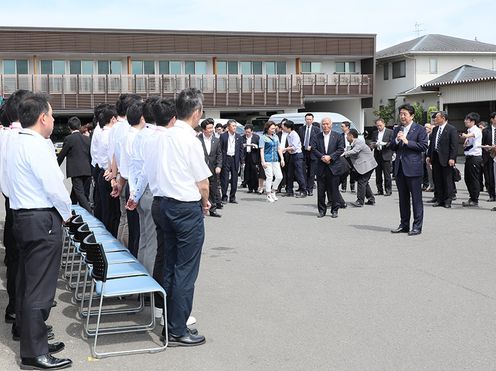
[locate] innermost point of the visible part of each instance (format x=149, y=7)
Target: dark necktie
x=494, y=136
x=438, y=137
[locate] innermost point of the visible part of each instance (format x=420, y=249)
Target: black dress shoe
x=301, y=195
x=414, y=232
x=54, y=304
x=233, y=201
x=400, y=229
x=356, y=204
x=470, y=203
x=187, y=340
x=438, y=204
x=45, y=362
x=250, y=191
x=287, y=194
x=215, y=215
x=370, y=202
x=55, y=347
x=380, y=193
x=432, y=201
x=220, y=205
x=447, y=205
x=388, y=193
x=321, y=215
x=310, y=193
x=334, y=214
x=9, y=317
x=342, y=206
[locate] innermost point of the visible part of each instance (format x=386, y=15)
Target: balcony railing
x=84, y=91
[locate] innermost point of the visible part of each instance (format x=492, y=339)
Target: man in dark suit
x=327, y=148
x=306, y=133
x=489, y=139
x=77, y=150
x=213, y=158
x=251, y=158
x=442, y=152
x=409, y=142
x=232, y=149
x=381, y=143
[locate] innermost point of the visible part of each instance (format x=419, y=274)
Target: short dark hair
x=473, y=116
x=206, y=122
x=74, y=123
x=346, y=123
x=106, y=115
x=219, y=125
x=163, y=111
x=267, y=125
x=134, y=113
x=443, y=114
x=354, y=133
x=124, y=101
x=148, y=108
x=492, y=115
x=249, y=126
x=309, y=114
x=289, y=124
x=11, y=106
x=408, y=107
x=31, y=107
x=230, y=121
x=3, y=116
x=188, y=101
x=97, y=112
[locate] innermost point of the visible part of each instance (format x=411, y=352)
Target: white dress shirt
x=34, y=177
x=208, y=143
x=326, y=141
x=284, y=135
x=100, y=144
x=6, y=136
x=116, y=141
x=96, y=133
x=294, y=141
x=474, y=141
x=137, y=177
x=248, y=144
x=231, y=144
x=178, y=162
x=126, y=144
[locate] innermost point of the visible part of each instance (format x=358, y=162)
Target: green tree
x=419, y=113
x=387, y=113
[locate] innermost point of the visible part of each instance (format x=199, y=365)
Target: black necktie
x=438, y=136
x=494, y=136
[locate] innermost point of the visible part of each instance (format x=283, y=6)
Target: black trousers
x=229, y=169
x=383, y=174
x=310, y=164
x=79, y=192
x=363, y=187
x=39, y=240
x=443, y=180
x=251, y=173
x=472, y=173
x=328, y=183
x=110, y=207
x=488, y=170
x=410, y=195
x=182, y=228
x=159, y=267
x=296, y=171
x=97, y=204
x=133, y=227
x=11, y=257
x=213, y=192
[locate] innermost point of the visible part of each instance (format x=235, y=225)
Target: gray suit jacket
x=361, y=157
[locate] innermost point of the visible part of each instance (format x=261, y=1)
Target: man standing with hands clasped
x=40, y=203
x=409, y=142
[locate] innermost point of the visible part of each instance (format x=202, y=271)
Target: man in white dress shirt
x=40, y=203
x=473, y=158
x=178, y=178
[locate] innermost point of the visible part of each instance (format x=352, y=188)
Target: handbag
x=457, y=176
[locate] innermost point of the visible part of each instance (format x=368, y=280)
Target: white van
x=299, y=119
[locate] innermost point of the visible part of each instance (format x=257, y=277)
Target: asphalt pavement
x=281, y=289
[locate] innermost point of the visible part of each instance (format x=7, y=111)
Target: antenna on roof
x=418, y=30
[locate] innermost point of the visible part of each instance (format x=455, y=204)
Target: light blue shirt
x=270, y=145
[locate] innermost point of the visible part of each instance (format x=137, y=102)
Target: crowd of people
x=156, y=207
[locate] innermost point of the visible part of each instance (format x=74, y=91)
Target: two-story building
x=242, y=74
x=403, y=71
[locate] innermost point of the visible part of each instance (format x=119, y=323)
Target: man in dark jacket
x=77, y=150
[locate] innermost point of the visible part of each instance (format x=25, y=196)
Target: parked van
x=299, y=119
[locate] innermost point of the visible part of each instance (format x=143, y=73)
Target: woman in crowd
x=271, y=160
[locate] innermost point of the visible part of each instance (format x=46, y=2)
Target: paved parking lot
x=281, y=289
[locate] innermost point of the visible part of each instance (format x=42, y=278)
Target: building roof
x=434, y=43
x=461, y=75
x=418, y=90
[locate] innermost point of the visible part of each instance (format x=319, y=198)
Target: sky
x=392, y=21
